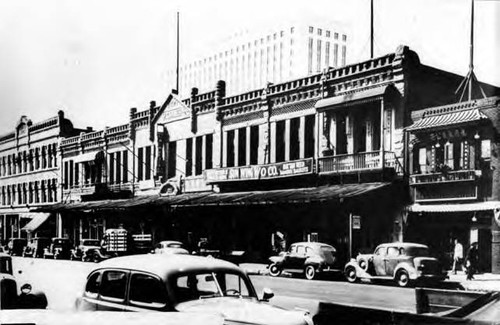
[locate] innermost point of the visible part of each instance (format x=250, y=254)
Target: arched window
x=9, y=197
x=19, y=194
x=30, y=193
x=37, y=158
x=44, y=157
x=37, y=193
x=43, y=193
x=54, y=154
x=3, y=196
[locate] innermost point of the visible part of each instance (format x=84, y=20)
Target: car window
x=145, y=289
x=392, y=251
x=158, y=246
x=92, y=287
x=381, y=251
x=232, y=285
x=113, y=284
x=309, y=251
x=293, y=249
x=301, y=250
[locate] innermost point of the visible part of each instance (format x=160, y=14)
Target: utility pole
x=371, y=29
x=177, y=64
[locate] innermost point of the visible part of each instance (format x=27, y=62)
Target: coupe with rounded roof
x=402, y=262
x=184, y=283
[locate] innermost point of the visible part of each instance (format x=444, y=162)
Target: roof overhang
x=462, y=207
x=37, y=219
x=358, y=97
x=444, y=119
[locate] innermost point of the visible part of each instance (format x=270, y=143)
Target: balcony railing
x=364, y=161
x=450, y=176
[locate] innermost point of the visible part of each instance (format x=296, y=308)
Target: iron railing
x=363, y=161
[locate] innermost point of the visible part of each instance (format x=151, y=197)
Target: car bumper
x=431, y=277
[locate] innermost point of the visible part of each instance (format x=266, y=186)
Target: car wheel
x=350, y=274
x=310, y=272
x=402, y=278
x=96, y=258
x=274, y=270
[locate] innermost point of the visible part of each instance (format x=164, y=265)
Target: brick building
x=30, y=174
x=304, y=157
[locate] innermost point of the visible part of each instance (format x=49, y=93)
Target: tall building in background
x=252, y=59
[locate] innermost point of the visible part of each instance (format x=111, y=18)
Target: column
x=59, y=227
x=223, y=163
x=272, y=157
x=350, y=132
x=382, y=133
x=302, y=137
x=193, y=156
x=333, y=133
x=247, y=145
x=320, y=129
x=263, y=144
x=287, y=139
x=203, y=152
x=236, y=142
x=369, y=133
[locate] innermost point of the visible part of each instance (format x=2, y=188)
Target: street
x=62, y=280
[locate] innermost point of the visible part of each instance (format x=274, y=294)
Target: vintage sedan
x=309, y=258
x=10, y=298
x=170, y=247
x=402, y=262
x=36, y=247
x=15, y=246
x=185, y=283
x=60, y=248
x=85, y=251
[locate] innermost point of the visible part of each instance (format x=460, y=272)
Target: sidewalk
x=481, y=282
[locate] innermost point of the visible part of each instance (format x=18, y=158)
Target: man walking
x=458, y=256
x=472, y=261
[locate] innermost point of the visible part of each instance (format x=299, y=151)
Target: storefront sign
x=271, y=171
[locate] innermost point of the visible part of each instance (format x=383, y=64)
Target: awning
x=89, y=156
x=459, y=207
x=37, y=220
x=438, y=119
x=284, y=196
x=357, y=97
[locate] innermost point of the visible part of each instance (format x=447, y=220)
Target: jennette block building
x=318, y=158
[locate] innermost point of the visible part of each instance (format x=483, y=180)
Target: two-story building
x=319, y=158
x=30, y=175
x=454, y=179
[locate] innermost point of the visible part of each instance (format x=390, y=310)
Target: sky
x=95, y=59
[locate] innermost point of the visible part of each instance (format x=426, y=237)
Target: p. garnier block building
x=319, y=158
x=30, y=175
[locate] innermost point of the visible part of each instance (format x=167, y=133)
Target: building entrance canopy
x=463, y=207
x=284, y=196
x=37, y=219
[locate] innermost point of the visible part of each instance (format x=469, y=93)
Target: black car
x=36, y=247
x=15, y=247
x=60, y=248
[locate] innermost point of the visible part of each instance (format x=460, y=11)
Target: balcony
x=456, y=185
x=360, y=162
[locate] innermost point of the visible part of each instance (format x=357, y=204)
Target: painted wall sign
x=256, y=172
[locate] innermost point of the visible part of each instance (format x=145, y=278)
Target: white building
x=252, y=59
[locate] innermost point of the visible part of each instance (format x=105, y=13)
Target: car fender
x=313, y=260
x=360, y=273
x=276, y=259
x=408, y=268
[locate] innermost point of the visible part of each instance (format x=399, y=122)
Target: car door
x=379, y=260
x=112, y=290
x=391, y=260
x=288, y=258
x=146, y=292
x=298, y=257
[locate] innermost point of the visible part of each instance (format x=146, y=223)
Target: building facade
x=317, y=158
x=454, y=178
x=30, y=174
x=251, y=60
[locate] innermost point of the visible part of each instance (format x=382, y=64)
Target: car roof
x=164, y=265
x=404, y=245
x=171, y=242
x=311, y=244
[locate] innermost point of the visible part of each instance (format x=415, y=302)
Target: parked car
x=36, y=247
x=184, y=283
x=402, y=262
x=9, y=296
x=170, y=247
x=60, y=248
x=85, y=251
x=15, y=246
x=309, y=258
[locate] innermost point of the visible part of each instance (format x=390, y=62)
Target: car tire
x=310, y=272
x=402, y=279
x=96, y=258
x=274, y=270
x=350, y=274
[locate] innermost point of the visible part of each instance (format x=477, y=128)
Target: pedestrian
x=458, y=256
x=472, y=261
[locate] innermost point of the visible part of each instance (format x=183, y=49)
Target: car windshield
x=416, y=251
x=175, y=245
x=194, y=286
x=91, y=242
x=327, y=252
x=5, y=265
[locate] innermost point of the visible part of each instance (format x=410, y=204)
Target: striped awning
x=446, y=119
x=458, y=207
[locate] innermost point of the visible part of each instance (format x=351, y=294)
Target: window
x=344, y=38
x=392, y=252
x=301, y=250
x=118, y=163
x=311, y=29
x=422, y=159
x=280, y=141
x=92, y=287
x=294, y=138
x=230, y=149
x=327, y=55
x=343, y=54
x=145, y=289
x=486, y=149
x=335, y=55
x=309, y=55
x=209, y=151
x=189, y=157
x=114, y=284
x=140, y=161
x=327, y=33
x=318, y=56
x=242, y=146
x=254, y=144
x=293, y=249
x=381, y=251
x=171, y=159
x=292, y=29
x=198, y=155
x=320, y=31
x=125, y=166
x=309, y=136
x=147, y=167
x=336, y=36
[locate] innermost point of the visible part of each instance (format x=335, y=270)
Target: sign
x=256, y=172
x=356, y=222
x=174, y=111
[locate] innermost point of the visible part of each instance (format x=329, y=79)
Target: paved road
x=63, y=280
